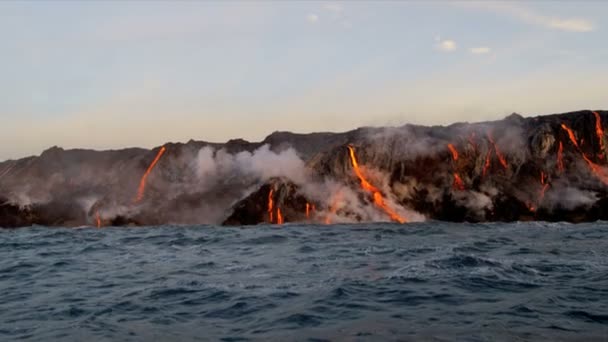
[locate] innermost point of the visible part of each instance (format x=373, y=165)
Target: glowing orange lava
x=458, y=184
x=570, y=135
x=378, y=199
x=560, y=157
x=501, y=158
x=597, y=170
x=142, y=182
x=279, y=216
x=599, y=131
x=486, y=165
x=270, y=205
x=453, y=151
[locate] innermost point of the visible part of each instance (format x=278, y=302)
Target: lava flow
x=501, y=158
x=486, y=164
x=454, y=152
x=142, y=182
x=458, y=183
x=279, y=216
x=378, y=199
x=270, y=205
x=597, y=170
x=599, y=131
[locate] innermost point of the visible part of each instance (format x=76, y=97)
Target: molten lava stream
x=270, y=206
x=501, y=158
x=454, y=152
x=599, y=131
x=378, y=199
x=279, y=216
x=458, y=183
x=142, y=182
x=307, y=210
x=486, y=165
x=597, y=170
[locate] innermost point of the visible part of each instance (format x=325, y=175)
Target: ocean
x=431, y=281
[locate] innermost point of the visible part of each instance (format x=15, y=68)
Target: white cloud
x=529, y=16
x=312, y=18
x=446, y=45
x=480, y=50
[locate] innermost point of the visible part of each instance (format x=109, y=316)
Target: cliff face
x=544, y=168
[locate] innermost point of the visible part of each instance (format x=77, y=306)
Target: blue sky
x=117, y=74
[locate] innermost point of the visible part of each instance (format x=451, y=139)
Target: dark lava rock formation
x=552, y=167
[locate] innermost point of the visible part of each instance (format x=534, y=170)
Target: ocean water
x=425, y=281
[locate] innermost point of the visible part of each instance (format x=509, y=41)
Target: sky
x=108, y=75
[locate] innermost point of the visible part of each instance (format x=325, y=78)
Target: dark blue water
x=428, y=281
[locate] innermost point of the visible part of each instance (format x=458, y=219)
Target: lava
x=270, y=205
x=279, y=216
x=571, y=135
x=453, y=151
x=378, y=199
x=307, y=210
x=97, y=219
x=560, y=157
x=599, y=131
x=142, y=182
x=597, y=170
x=486, y=165
x=458, y=184
x=501, y=158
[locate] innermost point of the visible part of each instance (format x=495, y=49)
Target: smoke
x=569, y=198
x=213, y=166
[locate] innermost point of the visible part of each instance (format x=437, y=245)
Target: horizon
x=284, y=131
x=112, y=75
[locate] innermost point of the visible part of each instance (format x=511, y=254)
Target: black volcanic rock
x=510, y=170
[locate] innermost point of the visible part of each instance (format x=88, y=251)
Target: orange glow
x=560, y=157
x=458, y=184
x=570, y=135
x=97, y=219
x=486, y=165
x=597, y=170
x=378, y=199
x=270, y=205
x=307, y=210
x=142, y=182
x=501, y=158
x=453, y=151
x=279, y=216
x=599, y=130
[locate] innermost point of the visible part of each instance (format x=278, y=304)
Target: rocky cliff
x=550, y=167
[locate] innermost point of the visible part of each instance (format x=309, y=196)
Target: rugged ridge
x=552, y=167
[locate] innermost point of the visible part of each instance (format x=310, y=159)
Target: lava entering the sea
x=378, y=199
x=270, y=206
x=142, y=182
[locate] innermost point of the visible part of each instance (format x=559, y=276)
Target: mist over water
x=420, y=281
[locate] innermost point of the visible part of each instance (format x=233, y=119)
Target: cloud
x=480, y=50
x=312, y=18
x=446, y=45
x=529, y=16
